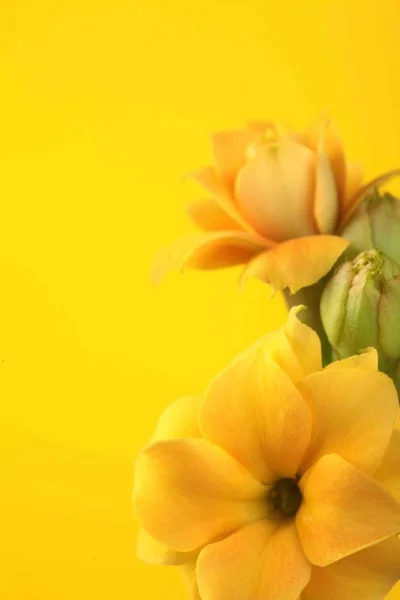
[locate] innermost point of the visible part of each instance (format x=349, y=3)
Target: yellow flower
x=282, y=481
x=276, y=202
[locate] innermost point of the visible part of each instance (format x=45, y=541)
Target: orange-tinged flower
x=277, y=201
x=282, y=481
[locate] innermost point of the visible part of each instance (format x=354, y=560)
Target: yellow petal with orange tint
x=388, y=472
x=367, y=359
x=230, y=151
x=208, y=178
x=343, y=511
x=274, y=190
x=180, y=419
x=208, y=215
x=207, y=251
x=151, y=551
x=297, y=263
x=189, y=492
x=368, y=575
x=326, y=203
x=254, y=411
x=354, y=180
x=189, y=575
x=259, y=562
x=304, y=341
x=354, y=410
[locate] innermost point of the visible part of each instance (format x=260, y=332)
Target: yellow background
x=104, y=105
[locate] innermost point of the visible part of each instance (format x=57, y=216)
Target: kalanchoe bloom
x=276, y=202
x=376, y=224
x=360, y=307
x=283, y=480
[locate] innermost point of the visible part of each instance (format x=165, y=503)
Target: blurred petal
x=208, y=215
x=343, y=511
x=230, y=151
x=151, y=551
x=179, y=420
x=189, y=576
x=355, y=201
x=207, y=251
x=369, y=574
x=305, y=343
x=388, y=472
x=188, y=492
x=324, y=129
x=354, y=410
x=254, y=411
x=209, y=180
x=367, y=359
x=354, y=179
x=259, y=562
x=297, y=263
x=326, y=207
x=275, y=190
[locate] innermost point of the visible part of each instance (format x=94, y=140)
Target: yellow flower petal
x=354, y=411
x=254, y=411
x=259, y=562
x=368, y=359
x=305, y=343
x=297, y=263
x=189, y=575
x=230, y=151
x=343, y=511
x=207, y=251
x=274, y=190
x=354, y=179
x=208, y=178
x=179, y=420
x=188, y=492
x=208, y=215
x=388, y=472
x=369, y=574
x=326, y=207
x=151, y=551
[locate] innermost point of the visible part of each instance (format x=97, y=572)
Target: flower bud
x=360, y=307
x=376, y=224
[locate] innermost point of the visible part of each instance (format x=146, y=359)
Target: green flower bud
x=376, y=224
x=360, y=307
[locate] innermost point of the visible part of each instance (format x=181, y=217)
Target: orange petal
x=151, y=551
x=207, y=251
x=189, y=492
x=275, y=189
x=254, y=411
x=343, y=511
x=258, y=562
x=369, y=574
x=354, y=202
x=297, y=263
x=209, y=180
x=208, y=215
x=388, y=474
x=180, y=419
x=354, y=410
x=326, y=207
x=189, y=575
x=230, y=151
x=325, y=129
x=305, y=343
x=354, y=179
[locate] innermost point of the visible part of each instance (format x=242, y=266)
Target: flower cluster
x=282, y=482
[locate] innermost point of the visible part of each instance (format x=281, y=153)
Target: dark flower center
x=285, y=497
